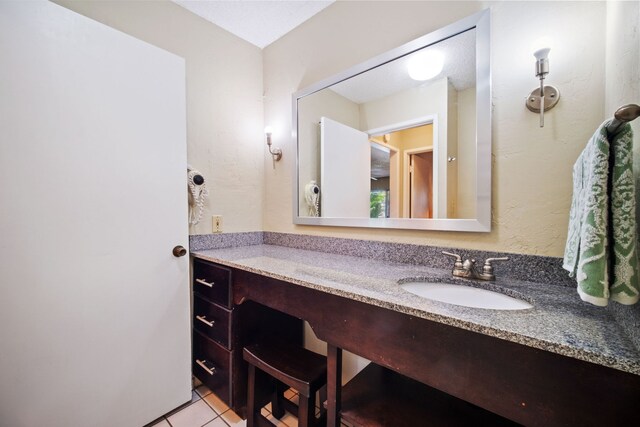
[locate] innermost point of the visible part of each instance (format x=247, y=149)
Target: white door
x=94, y=308
x=345, y=174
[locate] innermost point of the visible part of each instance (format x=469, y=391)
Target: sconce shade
x=542, y=53
x=276, y=153
x=542, y=62
x=545, y=97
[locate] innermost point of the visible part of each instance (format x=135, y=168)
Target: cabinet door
x=213, y=365
x=212, y=281
x=94, y=308
x=212, y=320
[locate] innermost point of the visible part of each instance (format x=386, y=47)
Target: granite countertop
x=559, y=321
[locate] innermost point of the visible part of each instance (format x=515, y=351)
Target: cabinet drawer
x=212, y=282
x=212, y=320
x=212, y=365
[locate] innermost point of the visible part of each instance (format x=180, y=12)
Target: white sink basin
x=466, y=296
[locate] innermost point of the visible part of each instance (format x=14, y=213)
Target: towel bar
x=624, y=114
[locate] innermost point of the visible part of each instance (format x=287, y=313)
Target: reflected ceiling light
x=425, y=65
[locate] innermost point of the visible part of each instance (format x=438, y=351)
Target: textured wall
x=531, y=166
x=623, y=87
x=224, y=102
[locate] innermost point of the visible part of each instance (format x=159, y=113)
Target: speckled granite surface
x=628, y=316
x=224, y=240
x=559, y=321
x=523, y=267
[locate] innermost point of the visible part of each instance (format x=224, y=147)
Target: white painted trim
x=407, y=124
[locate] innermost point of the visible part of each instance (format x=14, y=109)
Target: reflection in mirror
x=396, y=145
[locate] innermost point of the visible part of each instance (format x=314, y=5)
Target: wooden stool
x=286, y=366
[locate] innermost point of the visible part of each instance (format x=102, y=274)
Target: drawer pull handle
x=204, y=320
x=203, y=365
x=204, y=282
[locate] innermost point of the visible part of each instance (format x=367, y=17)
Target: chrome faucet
x=467, y=269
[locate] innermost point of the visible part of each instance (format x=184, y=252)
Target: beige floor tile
x=295, y=399
x=196, y=414
x=196, y=382
x=276, y=421
x=290, y=393
x=178, y=409
x=203, y=390
x=289, y=420
x=233, y=419
x=218, y=422
x=161, y=423
x=265, y=412
x=214, y=401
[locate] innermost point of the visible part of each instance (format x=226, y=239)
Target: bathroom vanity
x=559, y=363
x=221, y=329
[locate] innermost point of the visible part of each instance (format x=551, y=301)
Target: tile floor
x=207, y=410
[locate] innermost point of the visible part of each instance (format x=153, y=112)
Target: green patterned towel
x=601, y=251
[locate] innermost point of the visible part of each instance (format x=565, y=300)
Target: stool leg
x=334, y=385
x=306, y=411
x=276, y=400
x=323, y=397
x=251, y=397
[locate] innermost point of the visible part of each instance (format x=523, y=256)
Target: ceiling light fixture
x=425, y=65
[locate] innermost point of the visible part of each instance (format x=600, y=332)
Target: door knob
x=179, y=251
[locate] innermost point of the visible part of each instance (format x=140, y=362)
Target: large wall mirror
x=402, y=140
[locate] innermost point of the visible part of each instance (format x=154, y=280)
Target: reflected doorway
x=420, y=179
x=411, y=151
x=385, y=177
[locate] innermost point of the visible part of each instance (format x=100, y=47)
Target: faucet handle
x=458, y=258
x=488, y=266
x=490, y=260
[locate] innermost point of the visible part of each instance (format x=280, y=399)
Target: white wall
x=623, y=87
x=531, y=182
x=225, y=139
x=623, y=66
x=425, y=100
x=466, y=157
x=451, y=168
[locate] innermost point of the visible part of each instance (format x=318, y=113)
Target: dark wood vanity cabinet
x=221, y=329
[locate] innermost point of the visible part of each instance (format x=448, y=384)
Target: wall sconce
x=545, y=96
x=276, y=152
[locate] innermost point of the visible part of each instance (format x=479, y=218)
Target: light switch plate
x=216, y=223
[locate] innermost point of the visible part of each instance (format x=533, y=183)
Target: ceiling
x=392, y=77
x=258, y=22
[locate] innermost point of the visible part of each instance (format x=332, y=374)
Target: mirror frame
x=482, y=223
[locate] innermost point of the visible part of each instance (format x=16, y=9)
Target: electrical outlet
x=216, y=223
